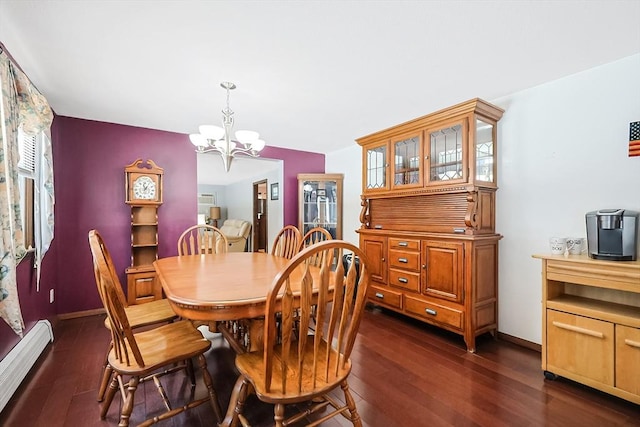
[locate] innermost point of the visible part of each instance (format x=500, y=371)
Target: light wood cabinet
x=591, y=322
x=320, y=202
x=428, y=218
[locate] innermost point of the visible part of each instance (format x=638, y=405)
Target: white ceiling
x=311, y=75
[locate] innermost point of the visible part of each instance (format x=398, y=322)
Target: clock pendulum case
x=144, y=182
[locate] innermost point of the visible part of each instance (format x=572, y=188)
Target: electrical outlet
x=51, y=296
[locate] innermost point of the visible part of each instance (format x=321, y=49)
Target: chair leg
x=111, y=392
x=127, y=408
x=213, y=397
x=236, y=403
x=278, y=416
x=351, y=404
x=106, y=374
x=104, y=383
x=191, y=373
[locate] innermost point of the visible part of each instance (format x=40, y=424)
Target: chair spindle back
x=300, y=295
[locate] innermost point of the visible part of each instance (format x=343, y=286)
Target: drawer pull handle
x=403, y=244
x=403, y=280
x=148, y=279
x=379, y=295
x=635, y=344
x=431, y=311
x=403, y=260
x=578, y=330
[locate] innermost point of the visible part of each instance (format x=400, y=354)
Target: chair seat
x=161, y=346
x=251, y=365
x=146, y=314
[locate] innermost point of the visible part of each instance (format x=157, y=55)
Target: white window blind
x=27, y=150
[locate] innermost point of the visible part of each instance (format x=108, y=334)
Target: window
x=26, y=182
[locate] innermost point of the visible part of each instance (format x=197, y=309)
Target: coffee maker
x=612, y=234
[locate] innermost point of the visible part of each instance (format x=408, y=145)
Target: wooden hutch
x=428, y=218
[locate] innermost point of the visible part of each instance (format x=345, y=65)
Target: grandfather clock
x=144, y=195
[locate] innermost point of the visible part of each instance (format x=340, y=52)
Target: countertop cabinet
x=591, y=322
x=428, y=218
x=320, y=203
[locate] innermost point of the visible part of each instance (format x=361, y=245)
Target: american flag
x=634, y=139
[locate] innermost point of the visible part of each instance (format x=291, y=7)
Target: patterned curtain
x=20, y=105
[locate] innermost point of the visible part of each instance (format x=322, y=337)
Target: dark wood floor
x=405, y=374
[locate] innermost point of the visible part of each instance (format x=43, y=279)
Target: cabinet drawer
x=404, y=244
x=628, y=359
x=379, y=295
x=405, y=280
x=143, y=287
x=580, y=345
x=404, y=260
x=434, y=312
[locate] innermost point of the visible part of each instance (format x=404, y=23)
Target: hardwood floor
x=405, y=374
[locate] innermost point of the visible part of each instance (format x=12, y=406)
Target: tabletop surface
x=234, y=278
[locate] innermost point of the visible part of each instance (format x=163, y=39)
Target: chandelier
x=218, y=139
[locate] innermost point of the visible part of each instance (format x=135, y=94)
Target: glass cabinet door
x=407, y=153
x=320, y=200
x=484, y=149
x=445, y=153
x=376, y=162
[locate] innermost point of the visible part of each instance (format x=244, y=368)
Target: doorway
x=260, y=216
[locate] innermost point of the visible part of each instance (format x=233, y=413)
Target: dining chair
x=313, y=236
x=202, y=239
x=147, y=355
x=287, y=242
x=295, y=367
x=140, y=315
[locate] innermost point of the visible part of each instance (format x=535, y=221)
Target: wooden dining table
x=223, y=287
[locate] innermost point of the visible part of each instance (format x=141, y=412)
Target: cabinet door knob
x=424, y=266
x=383, y=259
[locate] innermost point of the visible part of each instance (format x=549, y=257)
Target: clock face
x=144, y=188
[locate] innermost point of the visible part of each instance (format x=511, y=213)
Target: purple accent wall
x=89, y=161
x=295, y=162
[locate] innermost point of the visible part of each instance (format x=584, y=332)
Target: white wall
x=563, y=151
x=239, y=202
x=348, y=161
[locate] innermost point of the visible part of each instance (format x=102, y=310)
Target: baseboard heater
x=16, y=365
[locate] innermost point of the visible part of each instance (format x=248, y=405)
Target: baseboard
x=519, y=341
x=15, y=366
x=84, y=313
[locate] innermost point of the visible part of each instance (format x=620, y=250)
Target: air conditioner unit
x=206, y=199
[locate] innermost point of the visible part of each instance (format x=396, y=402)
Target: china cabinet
x=320, y=203
x=143, y=193
x=591, y=322
x=428, y=218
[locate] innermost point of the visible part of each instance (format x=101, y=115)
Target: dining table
x=225, y=287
